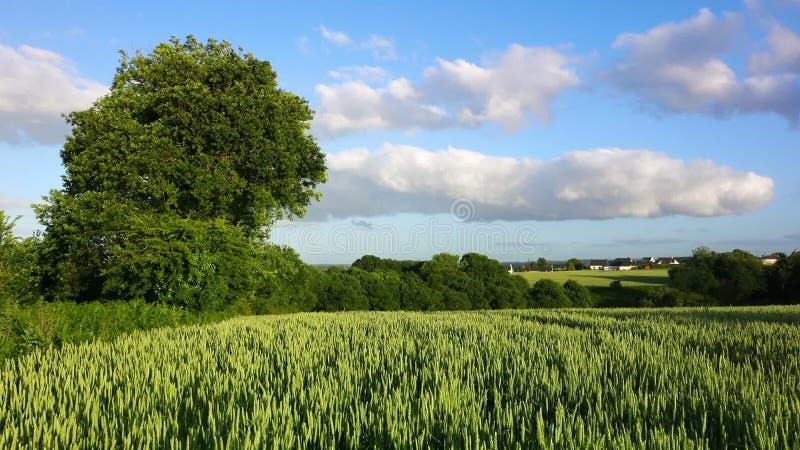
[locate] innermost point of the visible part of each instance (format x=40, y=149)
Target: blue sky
x=513, y=129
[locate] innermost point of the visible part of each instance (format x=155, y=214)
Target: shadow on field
x=657, y=280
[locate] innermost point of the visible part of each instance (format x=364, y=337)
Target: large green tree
x=190, y=133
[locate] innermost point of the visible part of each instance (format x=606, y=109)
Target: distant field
x=592, y=278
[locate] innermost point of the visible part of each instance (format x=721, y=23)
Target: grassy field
x=683, y=378
x=590, y=278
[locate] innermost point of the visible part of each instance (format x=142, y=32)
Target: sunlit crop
x=502, y=379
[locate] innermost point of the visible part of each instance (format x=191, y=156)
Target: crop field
x=681, y=378
x=593, y=278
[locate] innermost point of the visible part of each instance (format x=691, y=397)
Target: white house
x=769, y=260
x=622, y=264
x=598, y=264
x=669, y=260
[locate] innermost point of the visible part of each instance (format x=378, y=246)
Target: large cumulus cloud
x=36, y=87
x=503, y=89
x=680, y=67
x=591, y=184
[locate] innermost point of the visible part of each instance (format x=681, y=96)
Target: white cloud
x=355, y=105
x=7, y=202
x=368, y=74
x=36, y=87
x=679, y=67
x=593, y=184
x=783, y=53
x=504, y=90
x=336, y=37
x=382, y=48
x=302, y=44
x=692, y=40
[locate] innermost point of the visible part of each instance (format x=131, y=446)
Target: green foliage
x=343, y=293
x=735, y=278
x=17, y=265
x=382, y=288
x=98, y=248
x=548, y=294
x=415, y=294
x=574, y=264
x=621, y=379
x=25, y=328
x=284, y=283
x=197, y=130
x=578, y=294
x=664, y=296
x=172, y=178
x=783, y=280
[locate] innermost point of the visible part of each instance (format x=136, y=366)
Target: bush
x=547, y=293
x=578, y=294
x=24, y=328
x=664, y=296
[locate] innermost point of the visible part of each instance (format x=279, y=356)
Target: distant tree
x=741, y=278
x=783, y=280
x=574, y=264
x=547, y=293
x=443, y=272
x=734, y=278
x=456, y=301
x=541, y=262
x=344, y=293
x=284, y=282
x=578, y=294
x=382, y=288
x=489, y=280
x=416, y=295
x=370, y=263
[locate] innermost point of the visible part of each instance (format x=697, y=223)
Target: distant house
x=646, y=261
x=622, y=264
x=667, y=260
x=598, y=264
x=769, y=260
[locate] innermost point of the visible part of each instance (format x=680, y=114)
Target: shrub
x=578, y=294
x=547, y=293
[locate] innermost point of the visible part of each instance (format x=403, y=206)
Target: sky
x=514, y=129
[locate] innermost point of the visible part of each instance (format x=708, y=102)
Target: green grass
x=616, y=379
x=590, y=278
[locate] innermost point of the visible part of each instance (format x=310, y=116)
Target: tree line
x=734, y=278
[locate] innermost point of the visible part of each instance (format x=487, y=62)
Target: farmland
x=593, y=278
x=677, y=378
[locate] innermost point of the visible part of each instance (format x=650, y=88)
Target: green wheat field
x=596, y=278
x=680, y=378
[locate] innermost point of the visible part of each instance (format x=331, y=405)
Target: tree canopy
x=201, y=130
x=193, y=152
